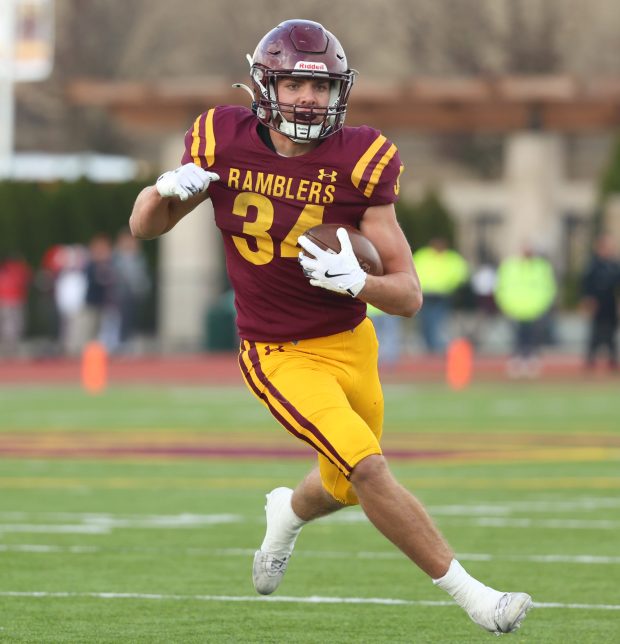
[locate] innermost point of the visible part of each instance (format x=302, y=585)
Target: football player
x=308, y=352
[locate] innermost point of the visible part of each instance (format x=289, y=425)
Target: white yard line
x=554, y=524
x=56, y=528
x=105, y=523
x=383, y=601
x=502, y=508
x=46, y=549
x=585, y=559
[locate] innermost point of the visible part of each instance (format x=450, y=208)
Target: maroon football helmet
x=306, y=49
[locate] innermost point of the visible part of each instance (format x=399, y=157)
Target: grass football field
x=133, y=516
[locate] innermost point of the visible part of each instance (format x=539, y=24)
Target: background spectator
x=600, y=286
x=102, y=316
x=525, y=292
x=482, y=283
x=133, y=284
x=441, y=271
x=389, y=333
x=45, y=310
x=70, y=297
x=15, y=277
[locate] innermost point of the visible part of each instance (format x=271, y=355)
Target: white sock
x=283, y=525
x=468, y=592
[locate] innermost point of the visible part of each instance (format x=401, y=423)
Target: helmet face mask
x=304, y=49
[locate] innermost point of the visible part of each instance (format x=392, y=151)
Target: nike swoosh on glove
x=185, y=182
x=338, y=272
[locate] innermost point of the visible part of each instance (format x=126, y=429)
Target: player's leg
x=345, y=433
x=287, y=511
x=310, y=500
x=400, y=517
x=311, y=392
x=310, y=403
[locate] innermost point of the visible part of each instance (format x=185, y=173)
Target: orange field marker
x=459, y=363
x=94, y=367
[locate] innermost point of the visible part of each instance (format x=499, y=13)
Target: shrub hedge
x=35, y=216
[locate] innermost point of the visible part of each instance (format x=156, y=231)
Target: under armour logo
x=329, y=175
x=269, y=349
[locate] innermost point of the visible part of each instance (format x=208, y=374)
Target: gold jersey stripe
x=397, y=184
x=376, y=173
x=196, y=140
x=365, y=159
x=210, y=136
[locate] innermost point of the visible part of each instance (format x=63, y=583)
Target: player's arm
x=154, y=215
x=176, y=193
x=398, y=290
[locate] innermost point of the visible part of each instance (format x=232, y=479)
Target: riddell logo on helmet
x=310, y=67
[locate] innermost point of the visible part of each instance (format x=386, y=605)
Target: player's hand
x=185, y=182
x=339, y=272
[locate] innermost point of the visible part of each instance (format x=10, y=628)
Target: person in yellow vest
x=525, y=291
x=441, y=271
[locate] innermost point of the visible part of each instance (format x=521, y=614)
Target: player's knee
x=369, y=470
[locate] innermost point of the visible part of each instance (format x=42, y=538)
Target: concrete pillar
x=534, y=169
x=189, y=270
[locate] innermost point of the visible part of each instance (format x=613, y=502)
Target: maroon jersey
x=264, y=201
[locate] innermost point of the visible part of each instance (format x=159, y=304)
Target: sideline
x=222, y=369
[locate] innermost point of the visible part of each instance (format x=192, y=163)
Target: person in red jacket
x=15, y=277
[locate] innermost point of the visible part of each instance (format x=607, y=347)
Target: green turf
x=140, y=527
x=574, y=407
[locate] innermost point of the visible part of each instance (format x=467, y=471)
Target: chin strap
x=291, y=130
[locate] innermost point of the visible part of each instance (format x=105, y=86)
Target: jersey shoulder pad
x=213, y=130
x=376, y=164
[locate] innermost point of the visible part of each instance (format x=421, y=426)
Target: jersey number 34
x=311, y=215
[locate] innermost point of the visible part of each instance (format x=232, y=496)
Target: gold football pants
x=326, y=392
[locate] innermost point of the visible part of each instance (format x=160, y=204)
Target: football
x=324, y=236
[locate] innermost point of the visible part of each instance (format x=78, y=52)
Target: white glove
x=185, y=182
x=339, y=272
